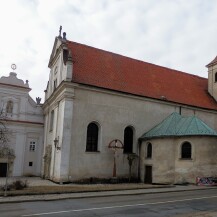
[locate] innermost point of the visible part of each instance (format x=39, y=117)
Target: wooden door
x=148, y=174
x=3, y=169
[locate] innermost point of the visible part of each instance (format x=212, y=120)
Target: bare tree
x=3, y=129
x=131, y=157
x=5, y=150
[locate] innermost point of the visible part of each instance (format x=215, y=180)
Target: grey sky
x=179, y=34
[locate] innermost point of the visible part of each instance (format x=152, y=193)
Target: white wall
x=25, y=124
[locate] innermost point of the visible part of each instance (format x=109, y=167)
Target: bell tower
x=212, y=78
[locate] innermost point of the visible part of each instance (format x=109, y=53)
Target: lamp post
x=56, y=141
x=115, y=145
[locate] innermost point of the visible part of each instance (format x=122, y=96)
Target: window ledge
x=188, y=159
x=92, y=152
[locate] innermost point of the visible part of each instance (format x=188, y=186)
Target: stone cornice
x=133, y=96
x=24, y=122
x=16, y=86
x=64, y=91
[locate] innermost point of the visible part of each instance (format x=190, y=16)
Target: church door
x=148, y=174
x=3, y=169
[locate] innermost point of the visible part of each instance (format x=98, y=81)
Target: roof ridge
x=142, y=61
x=197, y=124
x=164, y=120
x=181, y=123
x=206, y=126
x=171, y=117
x=175, y=116
x=190, y=126
x=191, y=118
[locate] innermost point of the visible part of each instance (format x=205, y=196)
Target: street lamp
x=115, y=145
x=56, y=141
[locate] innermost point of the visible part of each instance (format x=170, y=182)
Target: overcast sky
x=179, y=34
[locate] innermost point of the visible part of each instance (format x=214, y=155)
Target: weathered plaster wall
x=162, y=160
x=114, y=113
x=203, y=162
x=167, y=165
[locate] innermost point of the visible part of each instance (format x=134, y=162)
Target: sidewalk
x=148, y=189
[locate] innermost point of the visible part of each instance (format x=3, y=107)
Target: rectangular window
x=30, y=164
x=51, y=120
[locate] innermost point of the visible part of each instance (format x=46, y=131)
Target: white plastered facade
x=25, y=124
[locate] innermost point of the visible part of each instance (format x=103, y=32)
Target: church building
x=165, y=116
x=23, y=118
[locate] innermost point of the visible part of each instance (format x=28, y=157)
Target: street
x=179, y=204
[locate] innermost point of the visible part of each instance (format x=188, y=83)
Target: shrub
x=19, y=185
x=94, y=180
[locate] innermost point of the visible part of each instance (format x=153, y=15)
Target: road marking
x=120, y=206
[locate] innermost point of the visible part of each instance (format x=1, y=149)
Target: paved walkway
x=37, y=181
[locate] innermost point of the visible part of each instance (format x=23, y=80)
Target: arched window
x=92, y=137
x=186, y=150
x=128, y=140
x=9, y=107
x=149, y=150
x=216, y=77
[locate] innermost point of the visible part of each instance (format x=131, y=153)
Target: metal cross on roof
x=60, y=30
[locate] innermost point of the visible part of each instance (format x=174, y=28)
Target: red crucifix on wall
x=115, y=145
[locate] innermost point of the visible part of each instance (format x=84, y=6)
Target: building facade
x=24, y=120
x=95, y=96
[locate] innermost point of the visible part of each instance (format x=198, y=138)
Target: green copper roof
x=177, y=125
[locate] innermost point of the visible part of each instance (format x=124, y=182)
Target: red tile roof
x=108, y=70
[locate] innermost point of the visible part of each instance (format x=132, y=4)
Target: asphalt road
x=179, y=204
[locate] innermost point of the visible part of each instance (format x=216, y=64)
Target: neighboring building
x=25, y=124
x=95, y=96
